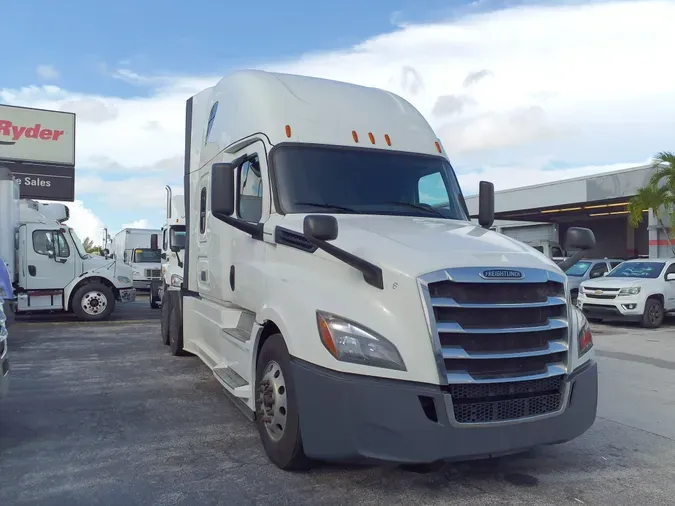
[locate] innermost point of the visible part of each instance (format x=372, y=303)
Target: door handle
x=31, y=270
x=62, y=260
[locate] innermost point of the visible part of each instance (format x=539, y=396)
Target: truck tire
x=654, y=314
x=164, y=320
x=93, y=302
x=154, y=296
x=277, y=416
x=176, y=332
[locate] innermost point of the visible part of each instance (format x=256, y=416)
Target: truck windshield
x=637, y=270
x=147, y=256
x=578, y=269
x=78, y=244
x=177, y=236
x=362, y=181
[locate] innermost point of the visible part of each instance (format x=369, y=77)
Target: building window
x=250, y=191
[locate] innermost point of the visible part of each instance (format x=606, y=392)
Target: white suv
x=637, y=290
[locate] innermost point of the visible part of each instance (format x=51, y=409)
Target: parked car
x=636, y=290
x=588, y=269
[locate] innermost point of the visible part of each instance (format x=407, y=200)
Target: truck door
x=50, y=261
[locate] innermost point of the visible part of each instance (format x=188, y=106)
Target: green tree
x=89, y=246
x=658, y=195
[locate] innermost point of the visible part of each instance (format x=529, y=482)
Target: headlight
x=124, y=280
x=584, y=339
x=349, y=342
x=176, y=280
x=136, y=273
x=634, y=290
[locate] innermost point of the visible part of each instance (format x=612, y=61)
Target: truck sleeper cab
x=336, y=287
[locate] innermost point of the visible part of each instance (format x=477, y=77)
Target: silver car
x=588, y=269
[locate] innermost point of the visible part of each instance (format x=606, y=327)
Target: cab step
x=242, y=332
x=228, y=376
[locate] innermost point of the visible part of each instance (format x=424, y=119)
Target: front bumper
x=620, y=308
x=142, y=284
x=127, y=295
x=345, y=417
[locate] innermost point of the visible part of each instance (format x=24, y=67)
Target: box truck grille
x=153, y=273
x=502, y=344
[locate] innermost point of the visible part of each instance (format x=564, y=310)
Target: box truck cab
x=337, y=289
x=50, y=269
x=133, y=247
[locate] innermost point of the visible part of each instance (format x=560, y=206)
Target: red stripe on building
x=658, y=242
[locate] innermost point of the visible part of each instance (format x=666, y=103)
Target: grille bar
x=443, y=302
x=463, y=377
x=453, y=327
x=457, y=352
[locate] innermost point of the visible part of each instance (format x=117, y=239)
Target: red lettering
x=18, y=132
x=34, y=132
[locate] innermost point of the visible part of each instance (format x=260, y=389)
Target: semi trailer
x=334, y=284
x=48, y=266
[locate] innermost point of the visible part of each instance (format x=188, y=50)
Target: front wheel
x=277, y=416
x=93, y=302
x=165, y=316
x=176, y=332
x=653, y=315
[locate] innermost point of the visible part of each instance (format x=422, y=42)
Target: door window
x=250, y=191
x=50, y=242
x=202, y=211
x=598, y=270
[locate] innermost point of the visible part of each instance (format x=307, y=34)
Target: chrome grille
x=502, y=344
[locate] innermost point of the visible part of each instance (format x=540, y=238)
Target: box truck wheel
x=166, y=314
x=277, y=414
x=176, y=332
x=93, y=301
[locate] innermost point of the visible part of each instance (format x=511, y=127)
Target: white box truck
x=336, y=287
x=48, y=265
x=135, y=247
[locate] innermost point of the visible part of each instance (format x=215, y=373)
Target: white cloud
x=84, y=222
x=47, y=72
x=142, y=223
x=509, y=92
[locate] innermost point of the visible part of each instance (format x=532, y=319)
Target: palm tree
x=657, y=194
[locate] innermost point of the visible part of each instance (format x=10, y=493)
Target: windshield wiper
x=421, y=207
x=329, y=206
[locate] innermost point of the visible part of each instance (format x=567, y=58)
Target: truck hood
x=106, y=266
x=414, y=245
x=614, y=282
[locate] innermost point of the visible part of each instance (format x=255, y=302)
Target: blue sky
x=560, y=90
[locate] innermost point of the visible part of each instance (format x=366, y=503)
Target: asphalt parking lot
x=102, y=414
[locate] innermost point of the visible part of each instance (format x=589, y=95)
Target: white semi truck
x=48, y=265
x=343, y=309
x=173, y=244
x=134, y=247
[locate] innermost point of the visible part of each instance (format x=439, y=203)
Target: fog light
x=629, y=306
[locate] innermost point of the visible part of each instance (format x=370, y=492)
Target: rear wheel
x=653, y=315
x=176, y=332
x=277, y=416
x=165, y=316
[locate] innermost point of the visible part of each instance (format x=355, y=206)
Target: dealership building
x=596, y=202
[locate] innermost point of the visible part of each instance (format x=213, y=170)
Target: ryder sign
x=37, y=136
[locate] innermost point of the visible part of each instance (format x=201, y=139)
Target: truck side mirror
x=320, y=226
x=153, y=241
x=105, y=252
x=222, y=189
x=579, y=238
x=125, y=257
x=486, y=204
